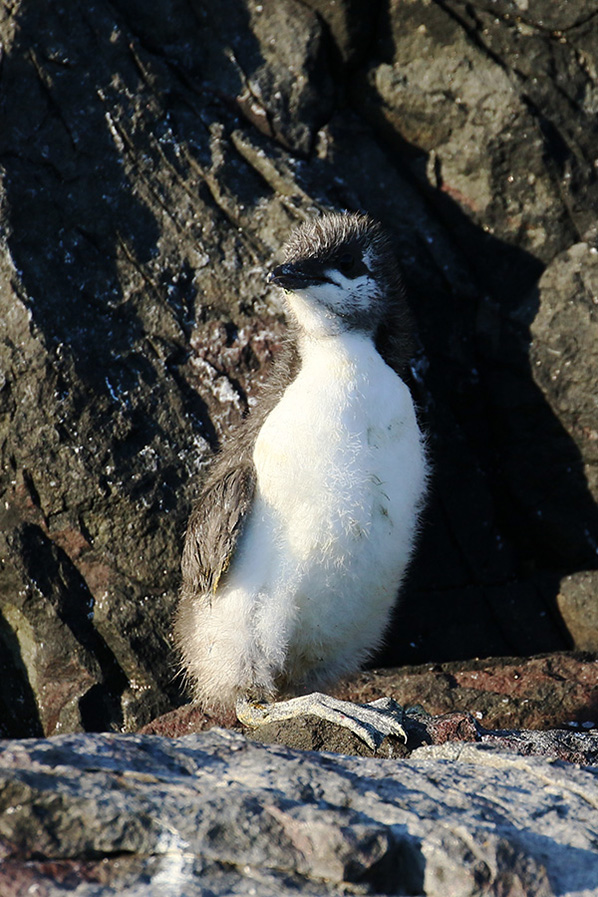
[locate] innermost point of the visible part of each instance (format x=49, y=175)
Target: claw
x=371, y=722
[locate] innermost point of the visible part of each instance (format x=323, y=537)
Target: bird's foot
x=371, y=722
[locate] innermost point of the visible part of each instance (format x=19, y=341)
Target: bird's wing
x=215, y=525
x=394, y=337
x=221, y=511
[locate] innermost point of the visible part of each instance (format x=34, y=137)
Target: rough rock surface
x=213, y=813
x=153, y=158
x=309, y=733
x=551, y=690
x=503, y=693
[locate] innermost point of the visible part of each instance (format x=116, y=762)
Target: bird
x=306, y=520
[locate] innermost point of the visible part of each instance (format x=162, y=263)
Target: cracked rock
x=214, y=812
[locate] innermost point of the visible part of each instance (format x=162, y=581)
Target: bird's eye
x=346, y=262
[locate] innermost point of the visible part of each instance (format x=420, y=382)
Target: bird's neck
x=347, y=349
x=317, y=321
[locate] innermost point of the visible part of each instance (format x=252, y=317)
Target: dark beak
x=293, y=277
x=289, y=277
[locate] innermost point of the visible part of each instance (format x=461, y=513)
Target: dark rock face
x=215, y=814
x=153, y=158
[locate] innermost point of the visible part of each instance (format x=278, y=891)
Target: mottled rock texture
x=153, y=158
x=542, y=692
x=214, y=814
x=422, y=730
x=556, y=691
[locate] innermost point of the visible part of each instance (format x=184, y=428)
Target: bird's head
x=340, y=274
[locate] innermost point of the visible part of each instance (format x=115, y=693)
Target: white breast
x=341, y=475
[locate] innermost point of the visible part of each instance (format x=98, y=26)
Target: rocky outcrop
x=548, y=691
x=309, y=733
x=546, y=705
x=215, y=813
x=153, y=158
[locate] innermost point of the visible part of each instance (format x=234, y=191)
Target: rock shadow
x=510, y=511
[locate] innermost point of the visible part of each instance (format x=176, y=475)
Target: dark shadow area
x=19, y=716
x=54, y=575
x=509, y=511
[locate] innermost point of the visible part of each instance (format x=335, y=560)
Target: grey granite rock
x=215, y=814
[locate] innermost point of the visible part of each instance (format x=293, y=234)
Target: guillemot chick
x=300, y=538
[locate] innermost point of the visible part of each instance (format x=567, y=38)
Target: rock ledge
x=214, y=813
